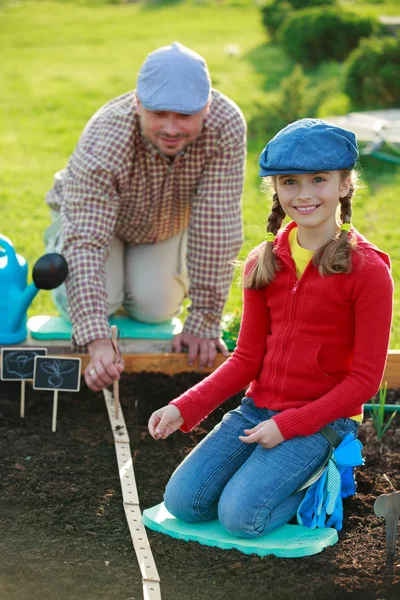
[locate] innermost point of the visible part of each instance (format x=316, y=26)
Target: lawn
x=61, y=61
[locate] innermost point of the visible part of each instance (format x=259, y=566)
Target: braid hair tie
x=269, y=237
x=345, y=227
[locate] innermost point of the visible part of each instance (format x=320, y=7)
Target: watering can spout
x=21, y=305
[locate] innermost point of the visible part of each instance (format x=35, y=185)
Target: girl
x=313, y=342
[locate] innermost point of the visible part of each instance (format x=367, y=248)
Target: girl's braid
x=346, y=207
x=276, y=215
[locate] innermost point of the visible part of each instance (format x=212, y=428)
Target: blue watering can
x=15, y=295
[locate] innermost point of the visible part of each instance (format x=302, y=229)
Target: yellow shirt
x=301, y=257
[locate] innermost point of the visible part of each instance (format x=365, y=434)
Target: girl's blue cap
x=308, y=146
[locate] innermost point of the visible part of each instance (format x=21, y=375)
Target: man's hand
x=266, y=433
x=164, y=421
x=102, y=369
x=204, y=348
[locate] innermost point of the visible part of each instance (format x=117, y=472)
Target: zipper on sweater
x=296, y=285
x=278, y=351
x=290, y=319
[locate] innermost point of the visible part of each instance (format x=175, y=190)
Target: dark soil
x=63, y=533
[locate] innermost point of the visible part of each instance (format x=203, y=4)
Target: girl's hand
x=165, y=421
x=266, y=434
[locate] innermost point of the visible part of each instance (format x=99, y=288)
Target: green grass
x=62, y=60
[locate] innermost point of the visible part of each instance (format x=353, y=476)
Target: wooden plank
x=126, y=474
x=168, y=363
x=117, y=424
x=141, y=543
x=147, y=565
x=151, y=590
x=171, y=363
x=392, y=370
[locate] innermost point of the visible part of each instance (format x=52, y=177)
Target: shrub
x=297, y=98
x=372, y=73
x=316, y=34
x=273, y=15
x=274, y=12
x=298, y=4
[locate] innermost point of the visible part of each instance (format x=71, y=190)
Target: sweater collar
x=282, y=246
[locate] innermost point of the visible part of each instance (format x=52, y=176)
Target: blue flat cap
x=174, y=78
x=307, y=146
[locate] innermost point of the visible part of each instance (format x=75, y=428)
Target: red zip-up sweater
x=314, y=348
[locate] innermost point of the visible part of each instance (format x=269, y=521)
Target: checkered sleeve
x=215, y=232
x=88, y=213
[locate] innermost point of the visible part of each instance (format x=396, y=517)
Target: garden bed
x=64, y=534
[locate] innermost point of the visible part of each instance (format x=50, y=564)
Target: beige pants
x=150, y=280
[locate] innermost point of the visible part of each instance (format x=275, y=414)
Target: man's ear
x=344, y=187
x=138, y=106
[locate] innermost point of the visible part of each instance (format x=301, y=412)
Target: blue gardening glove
x=347, y=456
x=332, y=508
x=322, y=505
x=336, y=518
x=311, y=505
x=348, y=481
x=348, y=453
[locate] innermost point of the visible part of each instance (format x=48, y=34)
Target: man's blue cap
x=174, y=78
x=307, y=146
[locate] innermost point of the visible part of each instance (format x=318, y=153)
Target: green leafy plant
x=230, y=328
x=378, y=414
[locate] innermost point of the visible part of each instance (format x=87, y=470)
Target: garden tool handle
x=114, y=341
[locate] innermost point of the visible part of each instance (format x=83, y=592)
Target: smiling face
x=311, y=200
x=168, y=131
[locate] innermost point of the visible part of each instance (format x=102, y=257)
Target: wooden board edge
x=171, y=364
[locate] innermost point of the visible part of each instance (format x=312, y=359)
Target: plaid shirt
x=118, y=183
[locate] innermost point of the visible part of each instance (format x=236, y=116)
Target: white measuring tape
x=150, y=577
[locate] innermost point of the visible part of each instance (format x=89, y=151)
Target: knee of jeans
x=180, y=502
x=234, y=517
x=241, y=519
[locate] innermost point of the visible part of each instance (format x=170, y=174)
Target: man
x=154, y=185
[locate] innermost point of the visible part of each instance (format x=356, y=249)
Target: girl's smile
x=306, y=210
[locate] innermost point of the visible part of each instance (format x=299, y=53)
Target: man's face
x=170, y=132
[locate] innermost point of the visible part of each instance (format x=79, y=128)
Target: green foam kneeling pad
x=44, y=327
x=289, y=541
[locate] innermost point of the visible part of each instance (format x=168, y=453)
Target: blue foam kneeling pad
x=43, y=327
x=289, y=541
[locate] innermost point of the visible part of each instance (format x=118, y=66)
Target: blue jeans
x=250, y=489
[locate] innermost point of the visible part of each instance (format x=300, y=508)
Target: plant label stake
x=57, y=373
x=388, y=506
x=117, y=357
x=17, y=365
